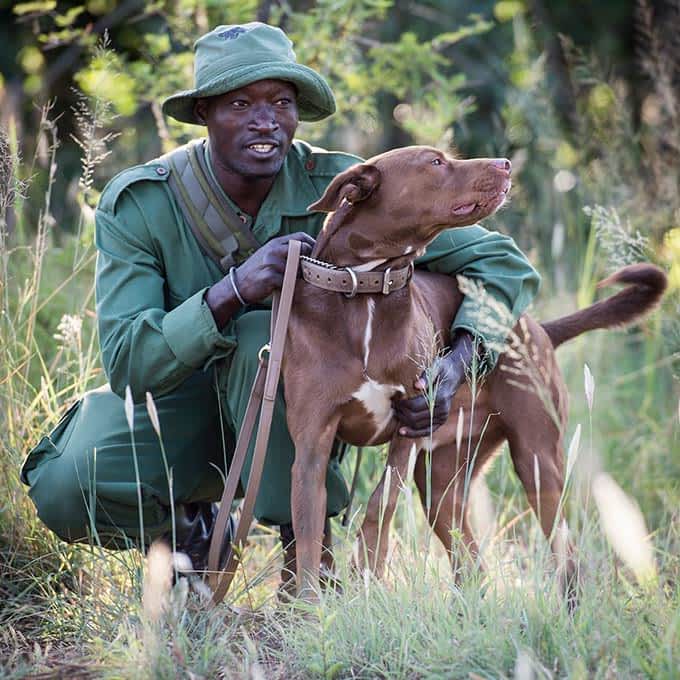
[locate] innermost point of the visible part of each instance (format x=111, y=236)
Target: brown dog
x=347, y=358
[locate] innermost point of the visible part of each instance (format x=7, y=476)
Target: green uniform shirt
x=155, y=328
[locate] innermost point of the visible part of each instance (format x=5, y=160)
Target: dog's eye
x=436, y=161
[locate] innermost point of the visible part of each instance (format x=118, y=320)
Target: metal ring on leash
x=355, y=283
x=265, y=348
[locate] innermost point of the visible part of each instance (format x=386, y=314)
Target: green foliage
x=73, y=609
x=31, y=7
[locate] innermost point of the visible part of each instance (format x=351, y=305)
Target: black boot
x=194, y=525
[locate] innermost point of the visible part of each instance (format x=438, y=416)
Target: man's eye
x=284, y=101
x=436, y=161
x=239, y=104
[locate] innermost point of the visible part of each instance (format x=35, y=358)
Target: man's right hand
x=262, y=273
x=257, y=278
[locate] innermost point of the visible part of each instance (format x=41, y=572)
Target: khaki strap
x=264, y=393
x=218, y=229
x=350, y=282
x=229, y=223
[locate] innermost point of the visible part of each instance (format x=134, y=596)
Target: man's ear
x=353, y=185
x=201, y=110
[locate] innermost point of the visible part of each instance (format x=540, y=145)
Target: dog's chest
x=368, y=417
x=376, y=398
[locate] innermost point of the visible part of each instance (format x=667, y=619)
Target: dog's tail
x=646, y=285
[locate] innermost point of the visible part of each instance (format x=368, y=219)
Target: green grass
x=76, y=609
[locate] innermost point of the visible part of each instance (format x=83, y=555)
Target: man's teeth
x=261, y=148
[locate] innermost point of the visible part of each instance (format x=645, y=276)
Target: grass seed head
x=624, y=527
x=157, y=581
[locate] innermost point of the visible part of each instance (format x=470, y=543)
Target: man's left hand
x=445, y=376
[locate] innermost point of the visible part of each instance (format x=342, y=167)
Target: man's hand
x=262, y=273
x=257, y=278
x=445, y=376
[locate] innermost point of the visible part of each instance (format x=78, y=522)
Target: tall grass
x=81, y=610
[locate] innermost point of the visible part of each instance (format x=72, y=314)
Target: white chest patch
x=376, y=399
x=368, y=333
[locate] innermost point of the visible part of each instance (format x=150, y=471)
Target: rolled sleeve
x=192, y=334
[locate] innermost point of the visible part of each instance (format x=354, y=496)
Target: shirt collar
x=292, y=190
x=289, y=196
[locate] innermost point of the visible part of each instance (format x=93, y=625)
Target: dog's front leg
x=308, y=502
x=376, y=526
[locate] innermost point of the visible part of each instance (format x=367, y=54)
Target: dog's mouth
x=493, y=203
x=465, y=209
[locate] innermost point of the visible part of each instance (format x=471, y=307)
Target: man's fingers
x=413, y=433
x=422, y=423
x=305, y=239
x=419, y=419
x=306, y=246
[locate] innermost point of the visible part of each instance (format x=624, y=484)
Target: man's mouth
x=262, y=148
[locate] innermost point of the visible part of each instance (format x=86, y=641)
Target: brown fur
x=384, y=213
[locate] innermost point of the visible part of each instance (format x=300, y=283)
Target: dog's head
x=403, y=198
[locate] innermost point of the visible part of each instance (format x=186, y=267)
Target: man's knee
x=61, y=500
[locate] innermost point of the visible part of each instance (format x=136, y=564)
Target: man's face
x=252, y=128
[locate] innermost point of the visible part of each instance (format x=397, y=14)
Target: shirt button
x=161, y=171
x=309, y=165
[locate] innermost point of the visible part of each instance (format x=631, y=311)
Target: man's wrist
x=234, y=285
x=463, y=345
x=222, y=301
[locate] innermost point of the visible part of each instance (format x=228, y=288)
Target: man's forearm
x=223, y=302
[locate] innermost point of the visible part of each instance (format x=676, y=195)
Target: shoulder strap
x=216, y=226
x=229, y=219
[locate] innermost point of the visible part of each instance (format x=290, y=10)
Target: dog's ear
x=353, y=185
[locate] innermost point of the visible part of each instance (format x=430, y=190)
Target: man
x=171, y=322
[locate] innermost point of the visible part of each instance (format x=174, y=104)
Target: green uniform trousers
x=82, y=477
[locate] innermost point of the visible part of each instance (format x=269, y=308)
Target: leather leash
x=262, y=395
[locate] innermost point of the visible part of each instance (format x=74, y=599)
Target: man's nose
x=263, y=119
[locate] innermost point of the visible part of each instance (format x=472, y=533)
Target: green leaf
x=446, y=39
x=334, y=670
x=40, y=6
x=507, y=9
x=64, y=20
x=66, y=35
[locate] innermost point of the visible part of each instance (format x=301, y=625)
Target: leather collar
x=350, y=282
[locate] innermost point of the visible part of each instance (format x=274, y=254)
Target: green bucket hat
x=234, y=56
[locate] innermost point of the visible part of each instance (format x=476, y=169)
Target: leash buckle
x=387, y=281
x=355, y=283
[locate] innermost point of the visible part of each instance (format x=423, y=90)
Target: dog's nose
x=502, y=163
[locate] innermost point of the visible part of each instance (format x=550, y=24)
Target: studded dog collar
x=350, y=282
